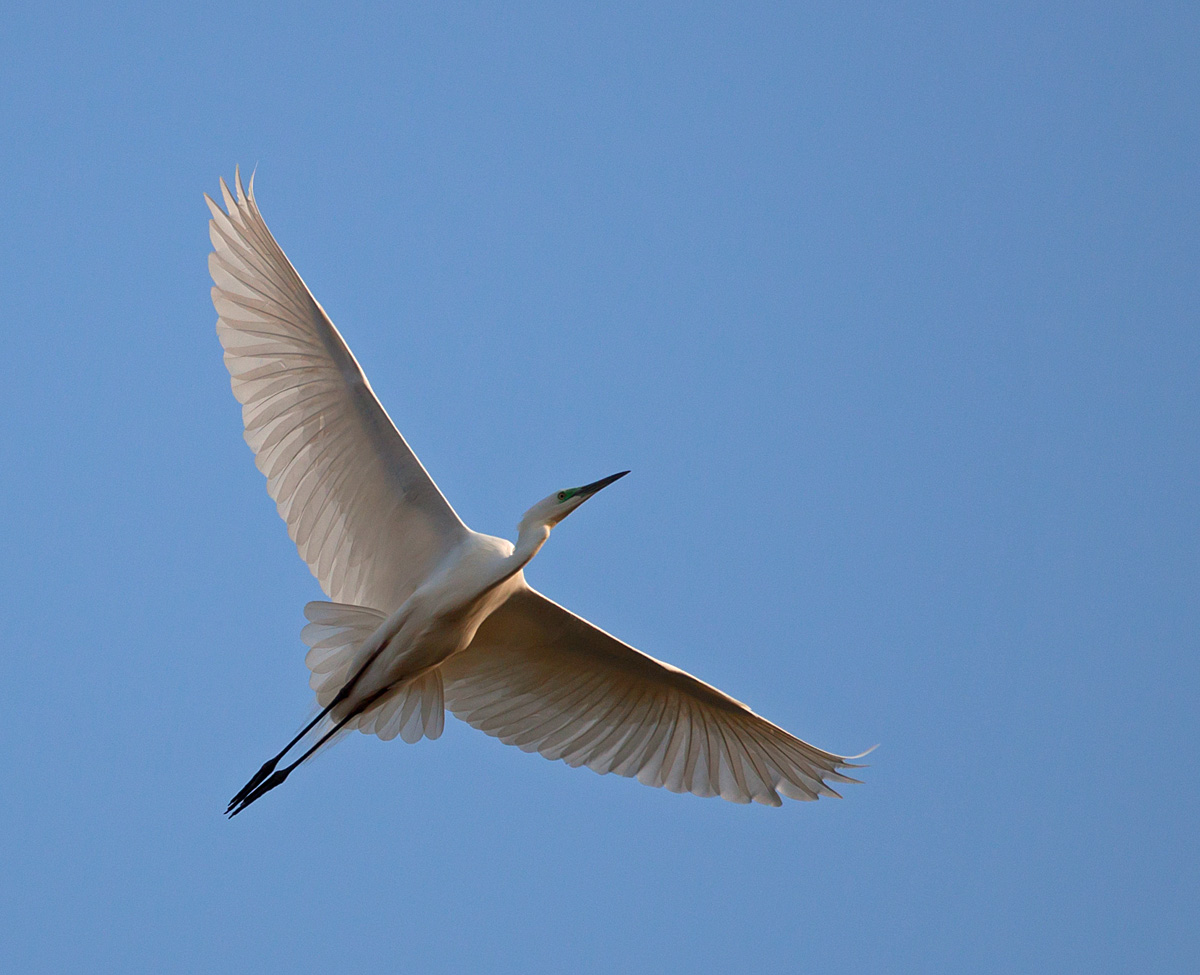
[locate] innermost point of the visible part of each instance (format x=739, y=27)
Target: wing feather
x=363, y=512
x=541, y=678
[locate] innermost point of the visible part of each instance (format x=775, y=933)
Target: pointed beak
x=589, y=489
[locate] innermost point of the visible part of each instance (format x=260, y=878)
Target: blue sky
x=892, y=311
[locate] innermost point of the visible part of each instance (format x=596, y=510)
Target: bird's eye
x=562, y=495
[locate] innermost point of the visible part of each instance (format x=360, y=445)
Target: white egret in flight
x=428, y=614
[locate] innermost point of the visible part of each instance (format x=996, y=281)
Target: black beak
x=589, y=489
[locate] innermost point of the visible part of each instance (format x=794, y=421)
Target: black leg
x=269, y=767
x=255, y=791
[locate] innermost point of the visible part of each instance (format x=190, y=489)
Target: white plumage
x=427, y=611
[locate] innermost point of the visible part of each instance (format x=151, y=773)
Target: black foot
x=277, y=779
x=253, y=784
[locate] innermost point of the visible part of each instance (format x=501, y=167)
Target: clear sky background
x=892, y=311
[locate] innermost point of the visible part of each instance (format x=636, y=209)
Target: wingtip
x=227, y=196
x=848, y=760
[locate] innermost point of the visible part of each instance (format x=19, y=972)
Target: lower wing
x=539, y=677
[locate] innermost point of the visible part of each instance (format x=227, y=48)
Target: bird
x=426, y=615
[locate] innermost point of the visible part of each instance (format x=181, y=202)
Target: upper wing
x=363, y=512
x=540, y=677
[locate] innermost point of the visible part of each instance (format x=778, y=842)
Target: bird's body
x=430, y=615
x=439, y=620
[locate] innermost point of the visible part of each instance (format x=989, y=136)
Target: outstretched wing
x=363, y=512
x=539, y=677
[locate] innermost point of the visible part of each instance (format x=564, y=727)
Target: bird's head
x=552, y=509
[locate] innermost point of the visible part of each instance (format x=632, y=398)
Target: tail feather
x=415, y=710
x=335, y=634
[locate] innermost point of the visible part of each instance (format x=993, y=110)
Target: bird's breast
x=443, y=616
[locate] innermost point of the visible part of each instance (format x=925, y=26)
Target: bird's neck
x=531, y=536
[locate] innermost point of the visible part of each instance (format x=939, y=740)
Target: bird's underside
x=379, y=537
